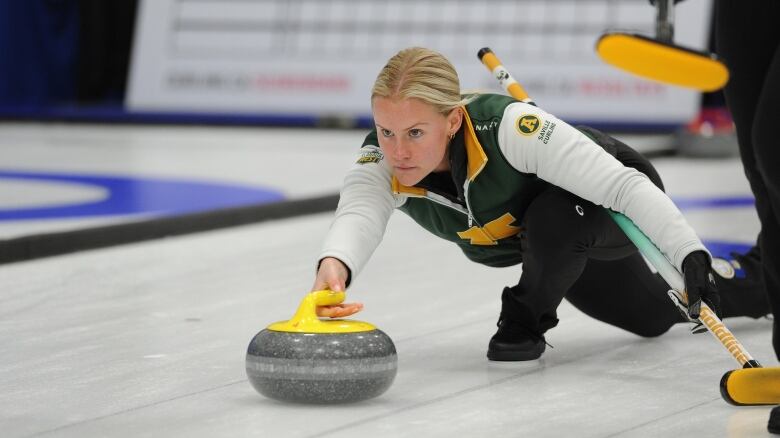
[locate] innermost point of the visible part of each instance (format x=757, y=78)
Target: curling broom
x=661, y=60
x=750, y=385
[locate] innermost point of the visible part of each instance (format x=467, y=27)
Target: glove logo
x=723, y=268
x=527, y=124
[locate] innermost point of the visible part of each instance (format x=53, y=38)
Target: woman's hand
x=700, y=283
x=333, y=275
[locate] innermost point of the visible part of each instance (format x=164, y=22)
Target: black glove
x=699, y=283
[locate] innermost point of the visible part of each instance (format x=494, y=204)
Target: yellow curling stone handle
x=306, y=320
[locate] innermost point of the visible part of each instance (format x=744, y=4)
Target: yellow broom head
x=662, y=62
x=751, y=386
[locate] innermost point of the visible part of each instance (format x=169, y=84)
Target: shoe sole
x=513, y=356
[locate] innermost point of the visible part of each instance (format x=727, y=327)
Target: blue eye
x=415, y=133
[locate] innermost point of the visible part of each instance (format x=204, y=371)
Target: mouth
x=404, y=168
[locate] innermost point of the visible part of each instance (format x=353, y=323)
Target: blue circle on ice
x=127, y=195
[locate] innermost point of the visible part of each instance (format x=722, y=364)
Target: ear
x=454, y=120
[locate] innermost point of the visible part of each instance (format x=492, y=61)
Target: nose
x=401, y=151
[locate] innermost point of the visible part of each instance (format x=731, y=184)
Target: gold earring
x=452, y=136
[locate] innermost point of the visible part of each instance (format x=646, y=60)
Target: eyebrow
x=411, y=127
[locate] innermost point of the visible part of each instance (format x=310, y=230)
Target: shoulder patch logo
x=527, y=124
x=370, y=157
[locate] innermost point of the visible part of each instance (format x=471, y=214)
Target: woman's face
x=413, y=136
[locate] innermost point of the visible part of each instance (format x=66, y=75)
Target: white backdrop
x=320, y=57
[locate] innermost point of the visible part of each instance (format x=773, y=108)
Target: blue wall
x=38, y=52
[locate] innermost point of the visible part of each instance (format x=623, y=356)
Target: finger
x=320, y=283
x=694, y=304
x=694, y=310
x=348, y=309
x=327, y=285
x=713, y=300
x=340, y=310
x=355, y=308
x=327, y=311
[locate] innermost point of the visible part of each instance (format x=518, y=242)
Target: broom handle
x=645, y=246
x=664, y=20
x=508, y=83
x=676, y=282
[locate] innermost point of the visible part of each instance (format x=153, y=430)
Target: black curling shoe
x=774, y=420
x=513, y=342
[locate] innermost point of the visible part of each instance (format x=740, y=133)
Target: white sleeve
x=561, y=155
x=365, y=206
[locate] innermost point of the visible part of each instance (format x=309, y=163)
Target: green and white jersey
x=505, y=153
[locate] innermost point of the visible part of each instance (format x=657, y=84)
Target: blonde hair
x=420, y=73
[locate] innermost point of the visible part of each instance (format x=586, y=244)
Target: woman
x=509, y=183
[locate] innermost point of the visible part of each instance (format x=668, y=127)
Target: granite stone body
x=321, y=368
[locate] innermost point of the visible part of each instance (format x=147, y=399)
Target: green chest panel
x=497, y=194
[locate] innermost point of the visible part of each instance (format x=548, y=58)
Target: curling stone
x=309, y=360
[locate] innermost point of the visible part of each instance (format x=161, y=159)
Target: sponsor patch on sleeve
x=527, y=124
x=372, y=156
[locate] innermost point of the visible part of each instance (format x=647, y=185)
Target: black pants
x=572, y=248
x=747, y=37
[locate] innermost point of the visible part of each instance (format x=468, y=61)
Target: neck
x=445, y=162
